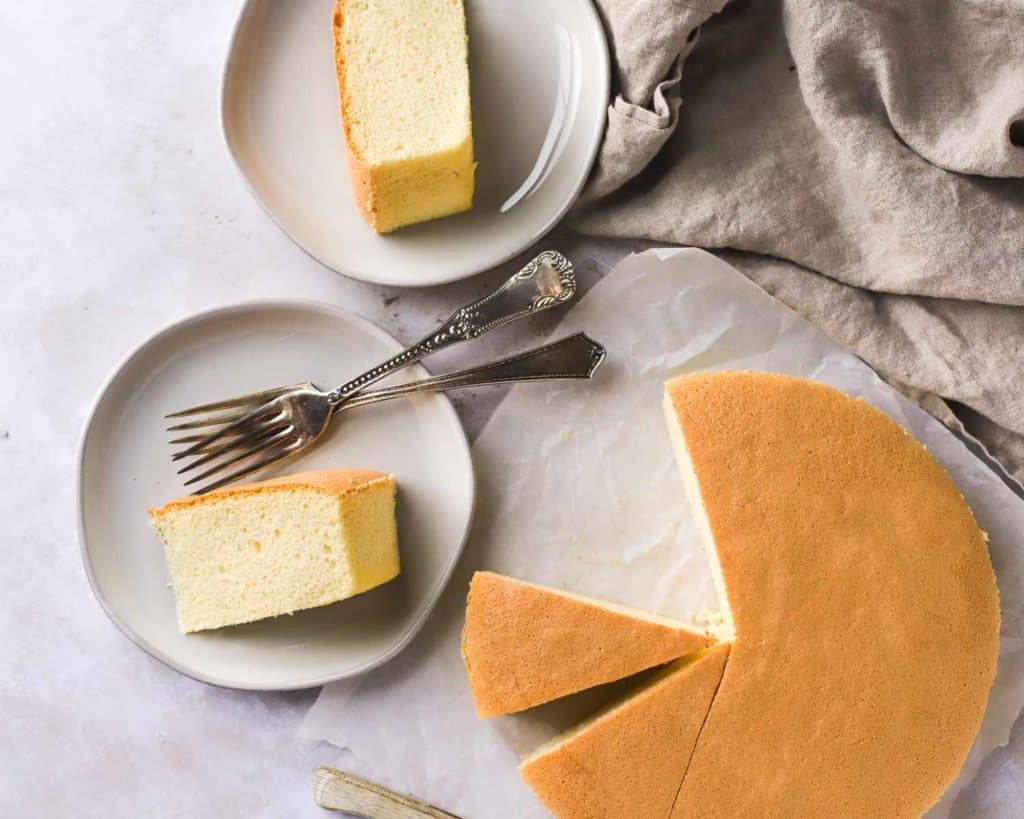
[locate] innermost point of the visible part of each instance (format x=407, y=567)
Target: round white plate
x=539, y=83
x=125, y=467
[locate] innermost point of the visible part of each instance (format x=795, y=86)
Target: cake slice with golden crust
x=628, y=760
x=273, y=547
x=525, y=644
x=403, y=82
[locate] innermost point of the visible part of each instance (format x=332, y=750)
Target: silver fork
x=546, y=281
x=288, y=423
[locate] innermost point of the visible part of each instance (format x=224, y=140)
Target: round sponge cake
x=860, y=593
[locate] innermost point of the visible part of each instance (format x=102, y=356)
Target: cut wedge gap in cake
x=700, y=730
x=525, y=644
x=629, y=759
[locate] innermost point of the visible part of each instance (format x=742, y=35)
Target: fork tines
x=259, y=426
x=253, y=399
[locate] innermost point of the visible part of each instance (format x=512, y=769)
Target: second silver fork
x=227, y=427
x=546, y=281
x=289, y=423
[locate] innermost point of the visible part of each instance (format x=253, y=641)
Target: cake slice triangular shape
x=525, y=644
x=628, y=760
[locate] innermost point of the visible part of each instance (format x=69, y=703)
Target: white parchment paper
x=578, y=488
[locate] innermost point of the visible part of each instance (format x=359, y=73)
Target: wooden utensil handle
x=337, y=790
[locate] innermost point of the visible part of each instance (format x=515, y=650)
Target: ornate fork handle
x=544, y=282
x=576, y=356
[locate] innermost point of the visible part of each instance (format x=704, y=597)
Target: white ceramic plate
x=539, y=83
x=125, y=468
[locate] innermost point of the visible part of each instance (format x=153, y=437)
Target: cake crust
x=863, y=600
x=339, y=482
x=627, y=762
x=524, y=644
x=358, y=170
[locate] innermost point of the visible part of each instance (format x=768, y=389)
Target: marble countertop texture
x=121, y=212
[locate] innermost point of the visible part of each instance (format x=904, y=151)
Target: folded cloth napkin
x=861, y=161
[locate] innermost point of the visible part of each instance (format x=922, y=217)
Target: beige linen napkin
x=863, y=162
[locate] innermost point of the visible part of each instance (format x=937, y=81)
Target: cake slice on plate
x=274, y=547
x=525, y=644
x=628, y=760
x=403, y=80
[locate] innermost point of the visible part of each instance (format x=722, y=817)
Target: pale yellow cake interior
x=246, y=555
x=404, y=82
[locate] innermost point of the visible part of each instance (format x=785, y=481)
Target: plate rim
x=468, y=270
x=84, y=552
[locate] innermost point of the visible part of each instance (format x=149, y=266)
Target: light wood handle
x=337, y=790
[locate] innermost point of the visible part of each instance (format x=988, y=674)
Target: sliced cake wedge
x=525, y=644
x=274, y=547
x=403, y=79
x=628, y=760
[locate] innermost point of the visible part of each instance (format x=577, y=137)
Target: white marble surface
x=121, y=212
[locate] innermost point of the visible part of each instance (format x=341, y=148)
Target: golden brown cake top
x=338, y=482
x=628, y=761
x=525, y=644
x=864, y=603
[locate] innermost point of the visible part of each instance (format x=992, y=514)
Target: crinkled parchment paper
x=578, y=488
